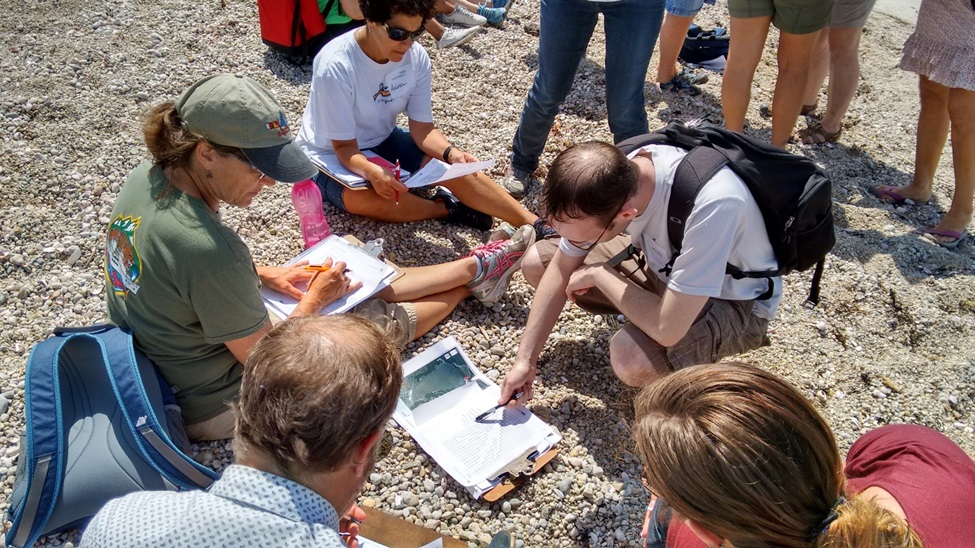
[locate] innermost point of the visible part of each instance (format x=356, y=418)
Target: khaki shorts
x=850, y=14
x=220, y=427
x=791, y=16
x=723, y=328
x=397, y=320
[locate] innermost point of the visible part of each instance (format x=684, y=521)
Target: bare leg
x=469, y=6
x=424, y=281
x=433, y=309
x=794, y=54
x=743, y=56
x=410, y=208
x=932, y=134
x=844, y=75
x=637, y=359
x=434, y=28
x=961, y=110
x=672, y=34
x=818, y=68
x=481, y=193
x=443, y=6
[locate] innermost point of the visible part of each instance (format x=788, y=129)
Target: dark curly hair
x=380, y=11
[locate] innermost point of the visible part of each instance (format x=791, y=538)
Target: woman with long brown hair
x=743, y=459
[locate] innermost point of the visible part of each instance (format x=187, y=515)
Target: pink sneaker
x=499, y=259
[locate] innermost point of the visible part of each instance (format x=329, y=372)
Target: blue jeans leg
x=632, y=27
x=566, y=27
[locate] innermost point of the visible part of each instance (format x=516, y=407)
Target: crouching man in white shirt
x=615, y=254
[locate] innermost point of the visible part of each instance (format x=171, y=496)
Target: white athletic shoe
x=462, y=18
x=456, y=36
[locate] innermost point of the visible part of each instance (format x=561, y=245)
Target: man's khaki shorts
x=723, y=328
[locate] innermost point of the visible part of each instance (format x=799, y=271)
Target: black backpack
x=794, y=195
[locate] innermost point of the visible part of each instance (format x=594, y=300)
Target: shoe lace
x=490, y=248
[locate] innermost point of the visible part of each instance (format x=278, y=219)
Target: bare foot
x=899, y=194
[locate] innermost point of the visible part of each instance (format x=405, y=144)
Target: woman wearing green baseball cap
x=185, y=283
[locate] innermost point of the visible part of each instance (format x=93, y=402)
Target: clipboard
x=518, y=473
x=396, y=532
x=367, y=247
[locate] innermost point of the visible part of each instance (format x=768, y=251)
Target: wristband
x=446, y=153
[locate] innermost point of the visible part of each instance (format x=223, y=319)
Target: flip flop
x=933, y=236
x=888, y=194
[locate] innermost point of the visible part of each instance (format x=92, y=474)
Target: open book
x=441, y=396
x=372, y=272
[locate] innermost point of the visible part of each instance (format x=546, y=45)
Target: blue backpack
x=97, y=429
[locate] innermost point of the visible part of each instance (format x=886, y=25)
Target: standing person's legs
x=566, y=27
x=932, y=133
x=799, y=23
x=631, y=32
x=818, y=69
x=672, y=35
x=844, y=62
x=678, y=18
x=961, y=111
x=744, y=53
x=794, y=53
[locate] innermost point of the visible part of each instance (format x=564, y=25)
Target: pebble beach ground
x=892, y=340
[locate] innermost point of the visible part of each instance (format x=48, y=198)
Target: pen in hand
x=320, y=268
x=398, y=172
x=487, y=413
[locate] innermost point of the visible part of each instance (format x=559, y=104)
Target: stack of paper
x=373, y=273
x=442, y=394
x=328, y=163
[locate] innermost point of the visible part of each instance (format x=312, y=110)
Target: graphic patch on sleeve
x=123, y=266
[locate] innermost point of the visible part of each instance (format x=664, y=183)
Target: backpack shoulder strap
x=155, y=443
x=44, y=454
x=693, y=172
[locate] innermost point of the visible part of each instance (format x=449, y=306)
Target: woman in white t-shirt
x=362, y=81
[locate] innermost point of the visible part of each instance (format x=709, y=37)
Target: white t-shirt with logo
x=354, y=97
x=725, y=226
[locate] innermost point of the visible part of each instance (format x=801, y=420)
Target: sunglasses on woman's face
x=398, y=34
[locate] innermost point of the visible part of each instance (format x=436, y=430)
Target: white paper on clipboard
x=442, y=393
x=373, y=273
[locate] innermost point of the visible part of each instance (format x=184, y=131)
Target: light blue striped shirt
x=245, y=507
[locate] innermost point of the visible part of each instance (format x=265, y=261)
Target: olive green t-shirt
x=184, y=284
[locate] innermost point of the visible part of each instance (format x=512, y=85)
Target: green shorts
x=791, y=16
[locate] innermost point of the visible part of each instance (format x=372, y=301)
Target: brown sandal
x=816, y=135
x=808, y=109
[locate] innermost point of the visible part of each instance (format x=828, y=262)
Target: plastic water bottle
x=307, y=200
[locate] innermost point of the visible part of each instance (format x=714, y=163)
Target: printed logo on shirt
x=123, y=266
x=382, y=96
x=280, y=125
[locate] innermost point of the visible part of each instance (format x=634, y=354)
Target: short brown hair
x=591, y=179
x=743, y=453
x=313, y=388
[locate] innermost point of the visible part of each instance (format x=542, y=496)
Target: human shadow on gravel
x=284, y=69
